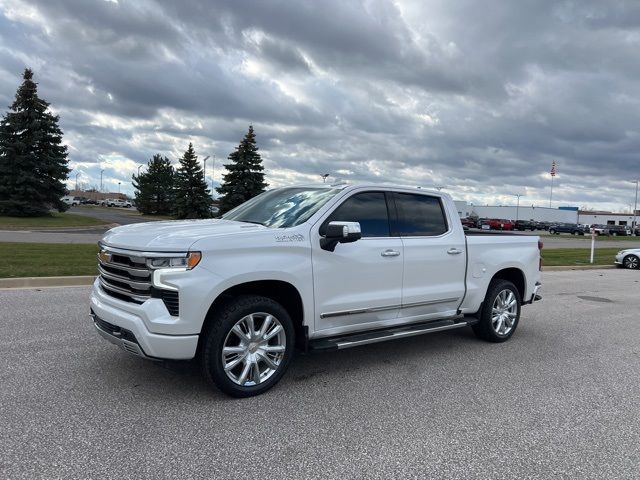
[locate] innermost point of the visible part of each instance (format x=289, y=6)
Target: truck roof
x=382, y=186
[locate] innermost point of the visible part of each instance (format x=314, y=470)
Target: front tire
x=631, y=261
x=500, y=313
x=247, y=345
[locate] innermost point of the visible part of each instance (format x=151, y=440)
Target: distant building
x=523, y=212
x=606, y=218
x=544, y=214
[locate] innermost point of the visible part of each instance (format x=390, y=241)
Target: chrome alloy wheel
x=631, y=261
x=504, y=312
x=253, y=349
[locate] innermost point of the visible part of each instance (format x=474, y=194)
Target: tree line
x=34, y=167
x=183, y=192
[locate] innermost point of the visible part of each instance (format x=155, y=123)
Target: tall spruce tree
x=33, y=160
x=244, y=178
x=154, y=188
x=193, y=198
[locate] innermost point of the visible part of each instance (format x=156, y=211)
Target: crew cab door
x=359, y=285
x=434, y=256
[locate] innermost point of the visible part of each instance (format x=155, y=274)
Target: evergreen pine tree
x=244, y=178
x=193, y=198
x=154, y=188
x=33, y=160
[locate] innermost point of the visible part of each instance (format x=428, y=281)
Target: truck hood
x=173, y=236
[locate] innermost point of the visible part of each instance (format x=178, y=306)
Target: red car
x=497, y=224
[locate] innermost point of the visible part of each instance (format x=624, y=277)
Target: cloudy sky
x=477, y=97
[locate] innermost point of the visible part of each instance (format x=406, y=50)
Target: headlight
x=188, y=262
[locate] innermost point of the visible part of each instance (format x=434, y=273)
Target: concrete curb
x=37, y=282
x=576, y=267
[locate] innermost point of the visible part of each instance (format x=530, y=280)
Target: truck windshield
x=282, y=207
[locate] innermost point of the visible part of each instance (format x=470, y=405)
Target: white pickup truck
x=306, y=268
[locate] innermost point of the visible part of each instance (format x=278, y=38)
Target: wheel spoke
x=498, y=327
x=265, y=326
x=230, y=350
x=239, y=332
x=274, y=331
x=251, y=326
x=511, y=300
x=256, y=372
x=245, y=372
x=267, y=360
x=235, y=362
x=274, y=348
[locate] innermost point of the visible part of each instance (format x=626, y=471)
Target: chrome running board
x=366, y=338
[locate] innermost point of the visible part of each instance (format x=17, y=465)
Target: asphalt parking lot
x=561, y=399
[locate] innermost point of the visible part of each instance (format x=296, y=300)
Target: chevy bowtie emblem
x=105, y=257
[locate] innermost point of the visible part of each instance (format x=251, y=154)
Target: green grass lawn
x=587, y=237
x=47, y=259
x=578, y=256
x=52, y=220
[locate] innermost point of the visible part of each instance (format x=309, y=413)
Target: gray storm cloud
x=479, y=97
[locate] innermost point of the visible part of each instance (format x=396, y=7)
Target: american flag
x=553, y=169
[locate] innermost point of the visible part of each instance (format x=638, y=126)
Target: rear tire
x=247, y=345
x=500, y=313
x=631, y=261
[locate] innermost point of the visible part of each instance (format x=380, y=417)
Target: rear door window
x=418, y=216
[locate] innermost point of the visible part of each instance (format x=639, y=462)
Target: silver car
x=628, y=258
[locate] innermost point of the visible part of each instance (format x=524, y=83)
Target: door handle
x=390, y=253
x=454, y=251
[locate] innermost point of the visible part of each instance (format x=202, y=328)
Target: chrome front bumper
x=118, y=336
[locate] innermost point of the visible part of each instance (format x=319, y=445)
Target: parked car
x=497, y=224
x=116, y=202
x=541, y=225
x=572, y=228
x=88, y=201
x=629, y=258
x=71, y=200
x=469, y=222
x=617, y=230
x=523, y=225
x=318, y=268
x=600, y=229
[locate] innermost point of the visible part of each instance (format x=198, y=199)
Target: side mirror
x=340, y=232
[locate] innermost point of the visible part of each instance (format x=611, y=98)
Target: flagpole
x=551, y=196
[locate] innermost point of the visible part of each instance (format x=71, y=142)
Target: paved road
x=119, y=216
x=560, y=399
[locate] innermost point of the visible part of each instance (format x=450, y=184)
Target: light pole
x=119, y=188
x=635, y=208
x=518, y=195
x=204, y=169
x=77, y=174
x=213, y=171
x=101, y=172
x=139, y=167
x=324, y=177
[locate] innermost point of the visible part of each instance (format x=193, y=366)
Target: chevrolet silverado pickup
x=311, y=268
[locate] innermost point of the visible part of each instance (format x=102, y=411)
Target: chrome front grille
x=124, y=276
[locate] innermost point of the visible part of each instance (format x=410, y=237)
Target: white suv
x=116, y=202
